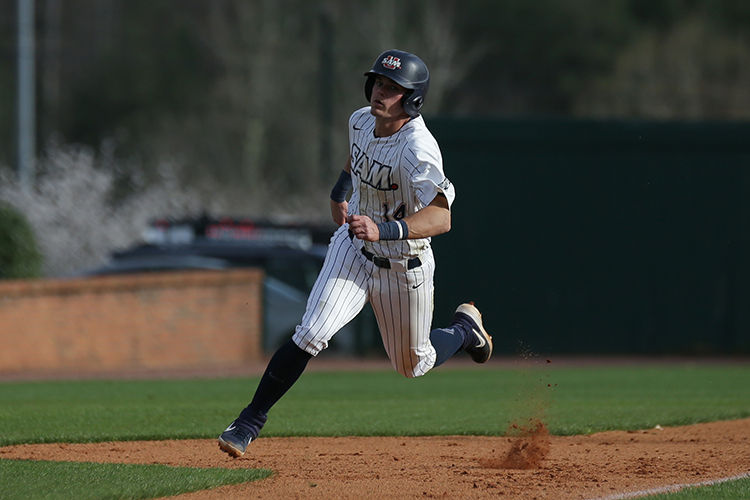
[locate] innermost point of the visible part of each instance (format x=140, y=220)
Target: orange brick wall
x=155, y=321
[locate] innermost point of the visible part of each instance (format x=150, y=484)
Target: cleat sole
x=229, y=449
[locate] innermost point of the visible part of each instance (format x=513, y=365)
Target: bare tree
x=692, y=71
x=73, y=214
x=426, y=28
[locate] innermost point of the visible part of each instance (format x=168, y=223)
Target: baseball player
x=381, y=252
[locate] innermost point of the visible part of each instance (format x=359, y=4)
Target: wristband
x=393, y=230
x=342, y=187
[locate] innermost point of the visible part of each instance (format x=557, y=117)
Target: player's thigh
x=403, y=306
x=338, y=295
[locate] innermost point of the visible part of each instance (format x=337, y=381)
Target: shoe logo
x=230, y=428
x=482, y=341
x=414, y=287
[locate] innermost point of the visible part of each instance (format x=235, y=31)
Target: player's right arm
x=339, y=209
x=432, y=220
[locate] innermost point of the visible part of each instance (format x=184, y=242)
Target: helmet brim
x=401, y=81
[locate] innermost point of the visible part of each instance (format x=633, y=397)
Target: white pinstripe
x=414, y=163
x=404, y=313
x=339, y=294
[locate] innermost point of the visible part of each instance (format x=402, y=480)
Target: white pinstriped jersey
x=393, y=177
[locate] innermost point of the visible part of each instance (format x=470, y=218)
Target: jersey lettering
x=445, y=185
x=378, y=176
x=400, y=212
x=358, y=158
x=373, y=173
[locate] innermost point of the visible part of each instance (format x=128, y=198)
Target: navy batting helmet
x=407, y=70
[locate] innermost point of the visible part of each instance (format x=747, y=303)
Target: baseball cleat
x=469, y=315
x=234, y=439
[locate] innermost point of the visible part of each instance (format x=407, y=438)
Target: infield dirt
x=533, y=465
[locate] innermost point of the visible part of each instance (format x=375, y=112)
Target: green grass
x=27, y=479
x=474, y=402
x=445, y=402
x=735, y=490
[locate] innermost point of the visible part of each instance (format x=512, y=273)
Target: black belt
x=384, y=263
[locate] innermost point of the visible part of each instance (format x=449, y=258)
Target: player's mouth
x=378, y=103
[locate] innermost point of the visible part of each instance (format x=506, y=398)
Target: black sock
x=462, y=322
x=447, y=342
x=282, y=372
x=252, y=421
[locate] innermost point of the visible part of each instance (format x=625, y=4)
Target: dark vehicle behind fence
x=291, y=256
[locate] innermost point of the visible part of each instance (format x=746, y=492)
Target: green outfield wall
x=599, y=237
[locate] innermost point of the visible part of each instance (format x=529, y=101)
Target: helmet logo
x=392, y=62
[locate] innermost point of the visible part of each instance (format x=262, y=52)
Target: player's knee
x=415, y=362
x=307, y=343
x=410, y=372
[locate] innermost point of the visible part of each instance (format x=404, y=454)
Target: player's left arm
x=339, y=205
x=432, y=220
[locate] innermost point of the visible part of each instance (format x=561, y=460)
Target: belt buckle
x=381, y=262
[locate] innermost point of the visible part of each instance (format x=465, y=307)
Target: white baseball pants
x=401, y=299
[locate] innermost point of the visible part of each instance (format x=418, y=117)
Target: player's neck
x=385, y=127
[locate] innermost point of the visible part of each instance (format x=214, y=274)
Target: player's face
x=385, y=101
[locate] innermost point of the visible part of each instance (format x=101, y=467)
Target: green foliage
x=155, y=66
x=544, y=50
x=659, y=13
x=26, y=479
x=217, y=82
x=19, y=255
